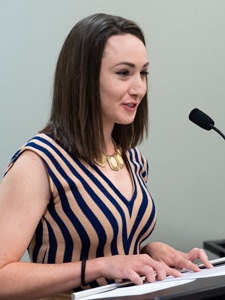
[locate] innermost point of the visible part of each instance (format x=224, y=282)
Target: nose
x=138, y=87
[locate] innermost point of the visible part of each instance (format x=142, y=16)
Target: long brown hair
x=76, y=120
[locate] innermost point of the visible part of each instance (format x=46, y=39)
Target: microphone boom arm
x=218, y=131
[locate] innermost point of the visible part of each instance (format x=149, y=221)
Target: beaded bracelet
x=82, y=274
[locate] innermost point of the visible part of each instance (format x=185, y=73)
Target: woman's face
x=122, y=78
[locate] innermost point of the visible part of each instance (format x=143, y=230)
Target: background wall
x=186, y=46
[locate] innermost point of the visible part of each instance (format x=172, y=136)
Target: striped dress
x=87, y=216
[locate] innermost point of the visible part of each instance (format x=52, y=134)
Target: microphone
x=204, y=121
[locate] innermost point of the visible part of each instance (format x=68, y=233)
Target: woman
x=76, y=193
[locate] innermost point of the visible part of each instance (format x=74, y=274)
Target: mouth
x=130, y=105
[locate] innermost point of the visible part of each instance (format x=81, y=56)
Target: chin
x=125, y=122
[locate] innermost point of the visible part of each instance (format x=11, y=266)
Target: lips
x=130, y=106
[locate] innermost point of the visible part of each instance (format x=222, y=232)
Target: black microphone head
x=201, y=119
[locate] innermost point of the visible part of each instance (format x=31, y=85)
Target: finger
x=151, y=277
x=204, y=259
x=196, y=253
x=160, y=272
x=150, y=273
x=135, y=278
x=173, y=272
x=187, y=264
x=200, y=254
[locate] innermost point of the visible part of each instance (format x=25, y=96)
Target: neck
x=109, y=147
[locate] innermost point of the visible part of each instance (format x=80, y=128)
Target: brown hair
x=76, y=120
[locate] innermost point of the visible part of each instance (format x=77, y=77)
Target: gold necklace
x=115, y=161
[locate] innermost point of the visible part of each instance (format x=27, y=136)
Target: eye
x=144, y=73
x=123, y=73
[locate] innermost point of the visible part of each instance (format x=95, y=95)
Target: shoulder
x=139, y=161
x=135, y=154
x=27, y=165
x=27, y=178
x=40, y=146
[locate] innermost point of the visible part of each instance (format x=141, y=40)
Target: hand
x=174, y=258
x=132, y=267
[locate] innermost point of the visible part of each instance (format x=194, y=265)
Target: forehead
x=125, y=47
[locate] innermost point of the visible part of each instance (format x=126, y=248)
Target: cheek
x=109, y=92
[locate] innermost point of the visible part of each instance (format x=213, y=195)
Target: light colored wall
x=186, y=45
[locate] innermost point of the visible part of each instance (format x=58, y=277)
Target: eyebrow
x=131, y=64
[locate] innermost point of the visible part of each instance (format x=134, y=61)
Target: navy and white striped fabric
x=87, y=216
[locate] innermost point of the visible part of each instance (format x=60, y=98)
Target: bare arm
x=24, y=194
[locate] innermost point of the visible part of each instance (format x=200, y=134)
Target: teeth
x=130, y=105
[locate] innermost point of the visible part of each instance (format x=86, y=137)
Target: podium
x=202, y=288
x=215, y=246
